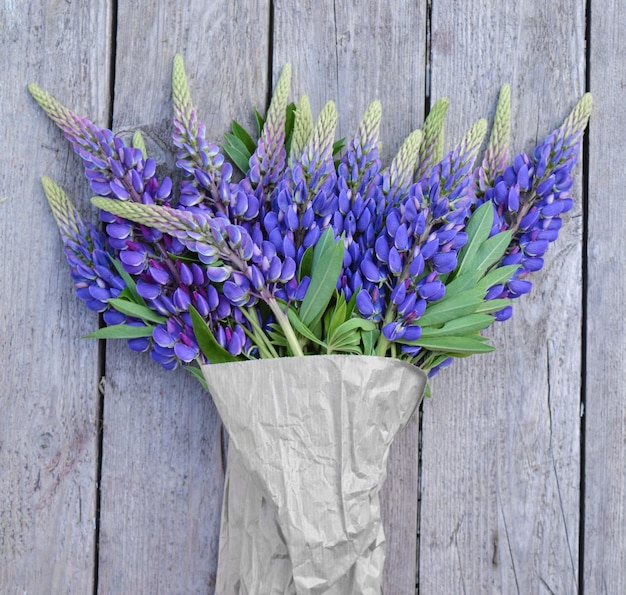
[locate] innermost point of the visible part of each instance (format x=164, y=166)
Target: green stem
x=383, y=343
x=261, y=340
x=285, y=325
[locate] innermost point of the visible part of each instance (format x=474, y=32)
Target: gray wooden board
x=48, y=375
x=501, y=457
x=162, y=472
x=355, y=52
x=605, y=412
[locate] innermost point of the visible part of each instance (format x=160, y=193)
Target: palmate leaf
x=450, y=308
x=496, y=276
x=459, y=326
x=464, y=282
x=348, y=337
x=349, y=327
x=491, y=251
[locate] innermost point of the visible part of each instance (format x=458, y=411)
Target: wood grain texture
x=501, y=457
x=48, y=375
x=355, y=52
x=605, y=403
x=162, y=474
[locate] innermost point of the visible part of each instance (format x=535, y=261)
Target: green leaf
x=197, y=372
x=459, y=326
x=354, y=349
x=306, y=264
x=439, y=360
x=464, y=282
x=243, y=135
x=317, y=328
x=369, y=339
x=260, y=122
x=209, y=346
x=477, y=229
x=327, y=263
x=289, y=121
x=350, y=326
x=136, y=310
x=497, y=276
x=238, y=157
x=338, y=316
x=121, y=331
x=351, y=304
x=338, y=145
x=277, y=337
x=346, y=341
x=491, y=306
x=236, y=143
x=130, y=282
x=349, y=336
x=491, y=251
x=451, y=345
x=302, y=329
x=454, y=307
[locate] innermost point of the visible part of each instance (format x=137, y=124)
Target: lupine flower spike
x=310, y=251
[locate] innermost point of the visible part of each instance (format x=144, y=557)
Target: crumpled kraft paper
x=309, y=440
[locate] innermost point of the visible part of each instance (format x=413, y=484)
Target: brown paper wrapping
x=309, y=441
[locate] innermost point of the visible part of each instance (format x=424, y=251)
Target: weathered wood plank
x=500, y=479
x=48, y=377
x=162, y=474
x=605, y=415
x=355, y=52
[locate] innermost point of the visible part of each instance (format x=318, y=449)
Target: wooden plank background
x=513, y=490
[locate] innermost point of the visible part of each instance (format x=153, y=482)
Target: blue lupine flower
x=222, y=246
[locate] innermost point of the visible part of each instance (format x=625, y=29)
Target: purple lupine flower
x=497, y=152
x=541, y=187
x=359, y=192
x=95, y=278
x=422, y=235
x=222, y=246
x=267, y=162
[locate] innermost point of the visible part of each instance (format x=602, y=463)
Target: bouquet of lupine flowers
x=301, y=246
x=311, y=251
